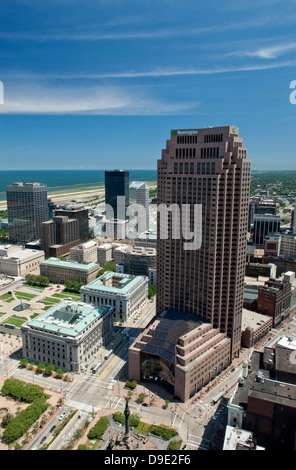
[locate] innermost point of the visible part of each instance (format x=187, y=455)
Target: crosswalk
x=81, y=406
x=197, y=442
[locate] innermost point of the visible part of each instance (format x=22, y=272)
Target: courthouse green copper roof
x=68, y=264
x=68, y=318
x=120, y=283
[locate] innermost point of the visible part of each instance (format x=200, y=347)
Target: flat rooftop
x=117, y=283
x=253, y=319
x=21, y=255
x=67, y=264
x=237, y=439
x=67, y=318
x=268, y=389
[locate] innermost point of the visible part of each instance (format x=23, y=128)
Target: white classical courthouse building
x=127, y=294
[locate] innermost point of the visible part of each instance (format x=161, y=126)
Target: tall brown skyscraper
x=206, y=167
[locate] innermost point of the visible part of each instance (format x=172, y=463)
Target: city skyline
x=88, y=83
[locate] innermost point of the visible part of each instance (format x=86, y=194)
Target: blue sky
x=100, y=83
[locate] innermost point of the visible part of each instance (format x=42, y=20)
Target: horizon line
x=123, y=169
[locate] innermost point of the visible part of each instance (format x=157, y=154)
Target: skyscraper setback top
x=206, y=167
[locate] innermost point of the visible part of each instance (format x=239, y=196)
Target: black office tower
x=116, y=184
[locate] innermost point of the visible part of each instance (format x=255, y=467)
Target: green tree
x=151, y=291
x=141, y=397
x=60, y=372
x=6, y=420
x=24, y=362
x=49, y=369
x=97, y=431
x=41, y=367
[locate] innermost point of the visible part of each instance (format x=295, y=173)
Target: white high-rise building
x=139, y=194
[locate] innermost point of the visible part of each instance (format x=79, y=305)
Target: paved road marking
x=81, y=406
x=109, y=367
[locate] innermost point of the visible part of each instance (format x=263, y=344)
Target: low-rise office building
x=180, y=352
x=115, y=229
x=239, y=439
x=274, y=299
x=59, y=235
x=59, y=271
x=85, y=252
x=254, y=327
x=288, y=245
x=258, y=269
x=136, y=259
x=68, y=335
x=105, y=253
x=127, y=294
x=18, y=262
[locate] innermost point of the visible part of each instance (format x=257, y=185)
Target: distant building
x=59, y=271
x=80, y=213
x=266, y=270
x=68, y=335
x=125, y=293
x=250, y=297
x=239, y=439
x=152, y=276
x=260, y=207
x=288, y=246
x=274, y=299
x=116, y=185
x=293, y=220
x=282, y=265
x=27, y=208
x=263, y=402
x=272, y=246
x=148, y=238
x=59, y=235
x=139, y=194
x=136, y=259
x=104, y=254
x=263, y=225
x=85, y=252
x=18, y=262
x=254, y=327
x=115, y=229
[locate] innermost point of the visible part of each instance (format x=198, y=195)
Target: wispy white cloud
x=173, y=30
x=272, y=52
x=97, y=100
x=157, y=72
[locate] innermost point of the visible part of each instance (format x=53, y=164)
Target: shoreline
x=84, y=192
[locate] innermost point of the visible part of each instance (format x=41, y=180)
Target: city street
x=104, y=391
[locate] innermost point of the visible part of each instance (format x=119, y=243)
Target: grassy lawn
x=34, y=315
x=65, y=296
x=36, y=287
x=49, y=301
x=24, y=295
x=17, y=321
x=7, y=297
